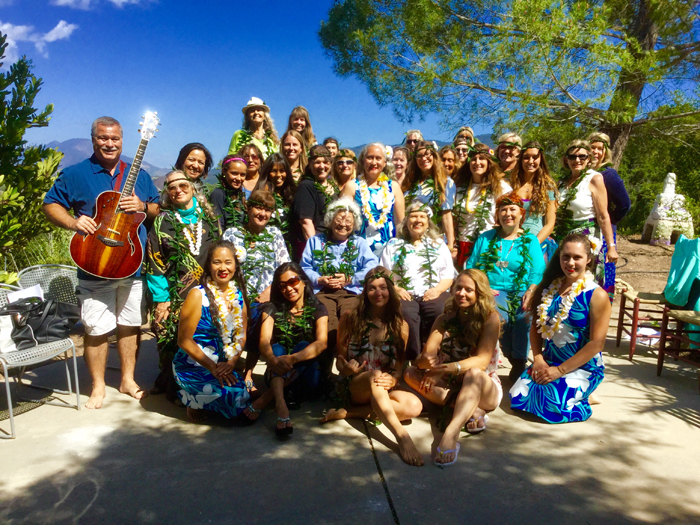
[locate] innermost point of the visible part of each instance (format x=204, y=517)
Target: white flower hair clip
x=389, y=152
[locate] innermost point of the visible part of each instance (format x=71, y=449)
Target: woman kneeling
x=371, y=352
x=461, y=358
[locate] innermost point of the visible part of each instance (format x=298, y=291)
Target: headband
x=175, y=180
x=490, y=152
x=510, y=144
x=507, y=201
x=378, y=274
x=232, y=159
x=317, y=155
x=259, y=204
x=345, y=153
x=425, y=209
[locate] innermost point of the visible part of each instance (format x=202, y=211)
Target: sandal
x=252, y=410
x=285, y=431
x=484, y=418
x=449, y=463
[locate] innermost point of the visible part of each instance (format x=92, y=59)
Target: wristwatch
x=145, y=207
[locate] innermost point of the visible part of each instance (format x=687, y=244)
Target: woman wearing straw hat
x=258, y=128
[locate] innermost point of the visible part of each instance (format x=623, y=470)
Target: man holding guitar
x=106, y=303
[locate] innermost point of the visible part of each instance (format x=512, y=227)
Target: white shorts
x=108, y=303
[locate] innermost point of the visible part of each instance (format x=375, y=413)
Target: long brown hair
x=437, y=172
x=492, y=177
x=392, y=318
x=307, y=133
x=484, y=307
x=542, y=182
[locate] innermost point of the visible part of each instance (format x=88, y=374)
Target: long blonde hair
x=542, y=182
x=437, y=171
x=477, y=314
x=303, y=159
x=308, y=132
x=598, y=136
x=493, y=175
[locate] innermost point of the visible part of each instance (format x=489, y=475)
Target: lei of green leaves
x=327, y=267
x=246, y=137
x=277, y=217
x=565, y=222
x=234, y=206
x=256, y=266
x=364, y=345
x=481, y=214
x=293, y=329
x=322, y=190
x=429, y=255
x=487, y=262
x=453, y=383
x=434, y=203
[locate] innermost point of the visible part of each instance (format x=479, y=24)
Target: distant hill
x=77, y=150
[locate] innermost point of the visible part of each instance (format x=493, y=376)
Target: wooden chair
x=645, y=302
x=671, y=340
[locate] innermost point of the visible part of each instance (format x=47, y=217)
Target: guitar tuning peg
x=155, y=112
x=157, y=130
x=139, y=131
x=140, y=123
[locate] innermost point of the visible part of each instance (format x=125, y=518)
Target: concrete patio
x=634, y=461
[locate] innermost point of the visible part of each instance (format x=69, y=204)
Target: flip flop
x=284, y=431
x=450, y=463
x=484, y=418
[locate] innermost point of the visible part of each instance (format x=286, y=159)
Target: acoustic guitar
x=114, y=251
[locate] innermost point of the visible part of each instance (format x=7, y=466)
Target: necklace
x=548, y=326
x=385, y=347
x=478, y=214
x=230, y=319
x=433, y=195
x=502, y=262
x=194, y=240
x=565, y=222
x=260, y=258
x=385, y=197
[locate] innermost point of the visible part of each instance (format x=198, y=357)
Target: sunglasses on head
x=582, y=156
x=293, y=282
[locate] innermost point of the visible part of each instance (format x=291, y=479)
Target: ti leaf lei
x=327, y=267
x=323, y=190
x=480, y=214
x=453, y=382
x=280, y=217
x=416, y=189
x=429, y=255
x=234, y=206
x=487, y=263
x=565, y=222
x=292, y=329
x=246, y=137
x=364, y=344
x=255, y=266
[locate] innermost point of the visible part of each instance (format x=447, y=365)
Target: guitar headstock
x=149, y=125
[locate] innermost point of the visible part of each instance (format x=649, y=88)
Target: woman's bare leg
x=391, y=409
x=277, y=387
x=478, y=391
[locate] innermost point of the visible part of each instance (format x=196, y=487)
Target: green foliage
x=26, y=172
x=46, y=248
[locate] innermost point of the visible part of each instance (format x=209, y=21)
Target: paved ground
x=635, y=461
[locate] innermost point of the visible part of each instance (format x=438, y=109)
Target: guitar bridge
x=113, y=243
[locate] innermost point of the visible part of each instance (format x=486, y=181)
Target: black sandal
x=285, y=431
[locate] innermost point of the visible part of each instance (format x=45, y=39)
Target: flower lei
x=229, y=324
x=565, y=222
x=480, y=212
x=194, y=240
x=400, y=268
x=254, y=267
x=548, y=326
x=488, y=262
x=326, y=267
x=292, y=329
x=387, y=201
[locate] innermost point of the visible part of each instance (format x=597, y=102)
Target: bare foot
x=96, y=398
x=446, y=443
x=408, y=451
x=196, y=416
x=333, y=414
x=130, y=388
x=253, y=411
x=477, y=423
x=593, y=400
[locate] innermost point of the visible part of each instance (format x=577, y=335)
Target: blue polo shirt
x=78, y=187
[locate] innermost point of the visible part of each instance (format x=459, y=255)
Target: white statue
x=668, y=216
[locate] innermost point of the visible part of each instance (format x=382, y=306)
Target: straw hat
x=255, y=102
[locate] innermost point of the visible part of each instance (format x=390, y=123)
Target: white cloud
x=122, y=3
x=15, y=34
x=74, y=4
x=3, y=3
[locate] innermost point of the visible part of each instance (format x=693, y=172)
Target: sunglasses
x=462, y=150
x=251, y=157
x=293, y=282
x=183, y=186
x=345, y=162
x=583, y=156
x=411, y=141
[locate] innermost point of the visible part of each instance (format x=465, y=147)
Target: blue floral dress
x=376, y=237
x=564, y=400
x=200, y=389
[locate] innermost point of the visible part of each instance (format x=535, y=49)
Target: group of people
x=410, y=269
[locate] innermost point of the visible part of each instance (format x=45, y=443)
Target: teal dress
x=535, y=223
x=502, y=261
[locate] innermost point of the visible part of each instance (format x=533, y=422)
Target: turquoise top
x=534, y=223
x=502, y=278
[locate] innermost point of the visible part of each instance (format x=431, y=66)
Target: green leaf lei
x=292, y=329
x=434, y=203
x=565, y=222
x=277, y=217
x=246, y=137
x=234, y=206
x=322, y=189
x=326, y=267
x=487, y=263
x=481, y=213
x=430, y=256
x=253, y=266
x=364, y=344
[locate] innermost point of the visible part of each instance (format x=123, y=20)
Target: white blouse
x=582, y=204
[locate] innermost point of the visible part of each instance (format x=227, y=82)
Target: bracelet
x=561, y=371
x=612, y=245
x=145, y=208
x=459, y=368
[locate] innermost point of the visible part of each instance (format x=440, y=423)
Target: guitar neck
x=134, y=171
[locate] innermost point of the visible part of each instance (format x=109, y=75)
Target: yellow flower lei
x=229, y=325
x=387, y=203
x=548, y=326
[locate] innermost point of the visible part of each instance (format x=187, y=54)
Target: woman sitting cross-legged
x=260, y=249
x=337, y=261
x=370, y=358
x=211, y=336
x=572, y=314
x=293, y=336
x=461, y=359
x=422, y=264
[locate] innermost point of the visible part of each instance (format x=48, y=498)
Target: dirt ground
x=643, y=266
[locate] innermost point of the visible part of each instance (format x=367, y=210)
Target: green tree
x=26, y=172
x=601, y=64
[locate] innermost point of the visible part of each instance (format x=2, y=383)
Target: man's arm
x=59, y=216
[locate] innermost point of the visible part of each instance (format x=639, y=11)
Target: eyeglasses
x=411, y=141
x=425, y=155
x=251, y=157
x=345, y=162
x=462, y=150
x=183, y=186
x=293, y=282
x=583, y=156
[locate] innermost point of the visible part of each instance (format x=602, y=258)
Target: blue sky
x=197, y=66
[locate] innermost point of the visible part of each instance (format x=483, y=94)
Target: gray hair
x=197, y=193
x=433, y=232
x=165, y=202
x=107, y=122
x=390, y=170
x=343, y=204
x=414, y=132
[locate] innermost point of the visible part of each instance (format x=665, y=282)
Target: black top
x=229, y=207
x=309, y=203
x=318, y=309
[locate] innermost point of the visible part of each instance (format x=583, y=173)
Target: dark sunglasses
x=583, y=156
x=293, y=282
x=345, y=162
x=411, y=141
